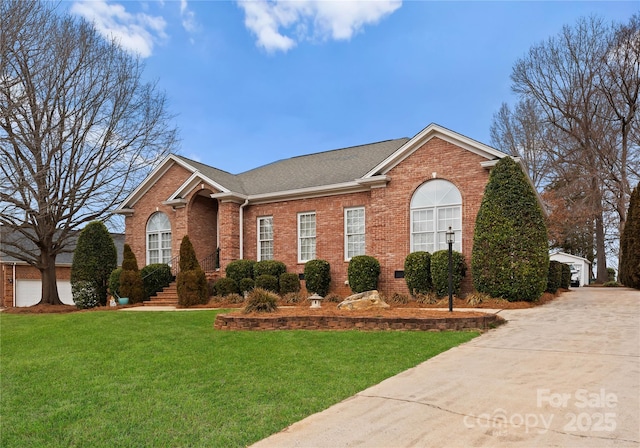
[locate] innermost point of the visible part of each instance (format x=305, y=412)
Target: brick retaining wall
x=238, y=322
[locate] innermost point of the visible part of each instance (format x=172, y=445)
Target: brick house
x=384, y=199
x=21, y=283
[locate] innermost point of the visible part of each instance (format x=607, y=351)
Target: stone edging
x=239, y=322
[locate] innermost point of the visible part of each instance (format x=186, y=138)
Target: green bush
x=417, y=272
x=239, y=269
x=363, y=273
x=261, y=301
x=114, y=282
x=317, y=277
x=192, y=287
x=191, y=280
x=510, y=256
x=612, y=283
x=268, y=282
x=565, y=279
x=225, y=286
x=84, y=294
x=440, y=271
x=289, y=282
x=131, y=285
x=155, y=277
x=94, y=258
x=555, y=276
x=269, y=267
x=246, y=285
x=629, y=273
x=611, y=275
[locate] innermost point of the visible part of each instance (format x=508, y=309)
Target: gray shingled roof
x=312, y=170
x=64, y=258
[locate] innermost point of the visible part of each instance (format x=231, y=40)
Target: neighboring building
x=384, y=199
x=21, y=284
x=580, y=267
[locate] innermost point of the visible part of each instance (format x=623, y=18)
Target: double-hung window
x=265, y=238
x=354, y=232
x=158, y=239
x=306, y=236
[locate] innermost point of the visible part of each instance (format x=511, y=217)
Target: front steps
x=169, y=295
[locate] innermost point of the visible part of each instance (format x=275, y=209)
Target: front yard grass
x=148, y=379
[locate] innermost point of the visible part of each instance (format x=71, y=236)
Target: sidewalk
x=564, y=374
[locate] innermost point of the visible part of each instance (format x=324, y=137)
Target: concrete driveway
x=565, y=374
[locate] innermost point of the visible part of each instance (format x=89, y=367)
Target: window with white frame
x=265, y=238
x=435, y=206
x=306, y=236
x=354, y=232
x=158, y=239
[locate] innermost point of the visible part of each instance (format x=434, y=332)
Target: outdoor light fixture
x=451, y=237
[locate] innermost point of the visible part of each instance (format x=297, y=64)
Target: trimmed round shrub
x=225, y=286
x=84, y=294
x=114, y=282
x=246, y=285
x=317, y=277
x=440, y=271
x=289, y=282
x=565, y=281
x=94, y=258
x=510, y=256
x=555, y=276
x=131, y=285
x=363, y=273
x=417, y=272
x=155, y=277
x=268, y=282
x=239, y=269
x=261, y=301
x=611, y=275
x=269, y=267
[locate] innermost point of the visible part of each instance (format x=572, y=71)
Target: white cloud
x=189, y=22
x=136, y=33
x=310, y=19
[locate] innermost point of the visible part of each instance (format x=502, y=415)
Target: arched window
x=158, y=239
x=435, y=206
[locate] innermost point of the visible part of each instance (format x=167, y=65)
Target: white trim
x=346, y=235
x=192, y=182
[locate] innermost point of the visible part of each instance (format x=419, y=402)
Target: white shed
x=580, y=267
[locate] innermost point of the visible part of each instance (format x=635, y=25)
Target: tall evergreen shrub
x=629, y=274
x=131, y=285
x=510, y=256
x=94, y=259
x=191, y=280
x=363, y=272
x=554, y=278
x=417, y=273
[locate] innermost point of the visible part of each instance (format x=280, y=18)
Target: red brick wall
x=387, y=215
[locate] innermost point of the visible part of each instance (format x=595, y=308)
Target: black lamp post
x=451, y=236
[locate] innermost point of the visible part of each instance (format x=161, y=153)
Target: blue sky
x=251, y=82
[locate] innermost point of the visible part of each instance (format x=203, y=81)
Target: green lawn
x=167, y=379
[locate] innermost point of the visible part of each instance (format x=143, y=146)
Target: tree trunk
x=601, y=275
x=49, y=285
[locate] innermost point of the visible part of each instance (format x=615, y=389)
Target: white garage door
x=29, y=292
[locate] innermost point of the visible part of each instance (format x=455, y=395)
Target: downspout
x=242, y=206
x=14, y=284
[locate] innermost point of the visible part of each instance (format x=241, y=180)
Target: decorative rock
x=363, y=301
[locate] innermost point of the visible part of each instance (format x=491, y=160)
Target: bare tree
x=523, y=133
x=564, y=76
x=78, y=129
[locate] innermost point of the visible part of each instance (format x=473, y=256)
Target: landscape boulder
x=363, y=301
